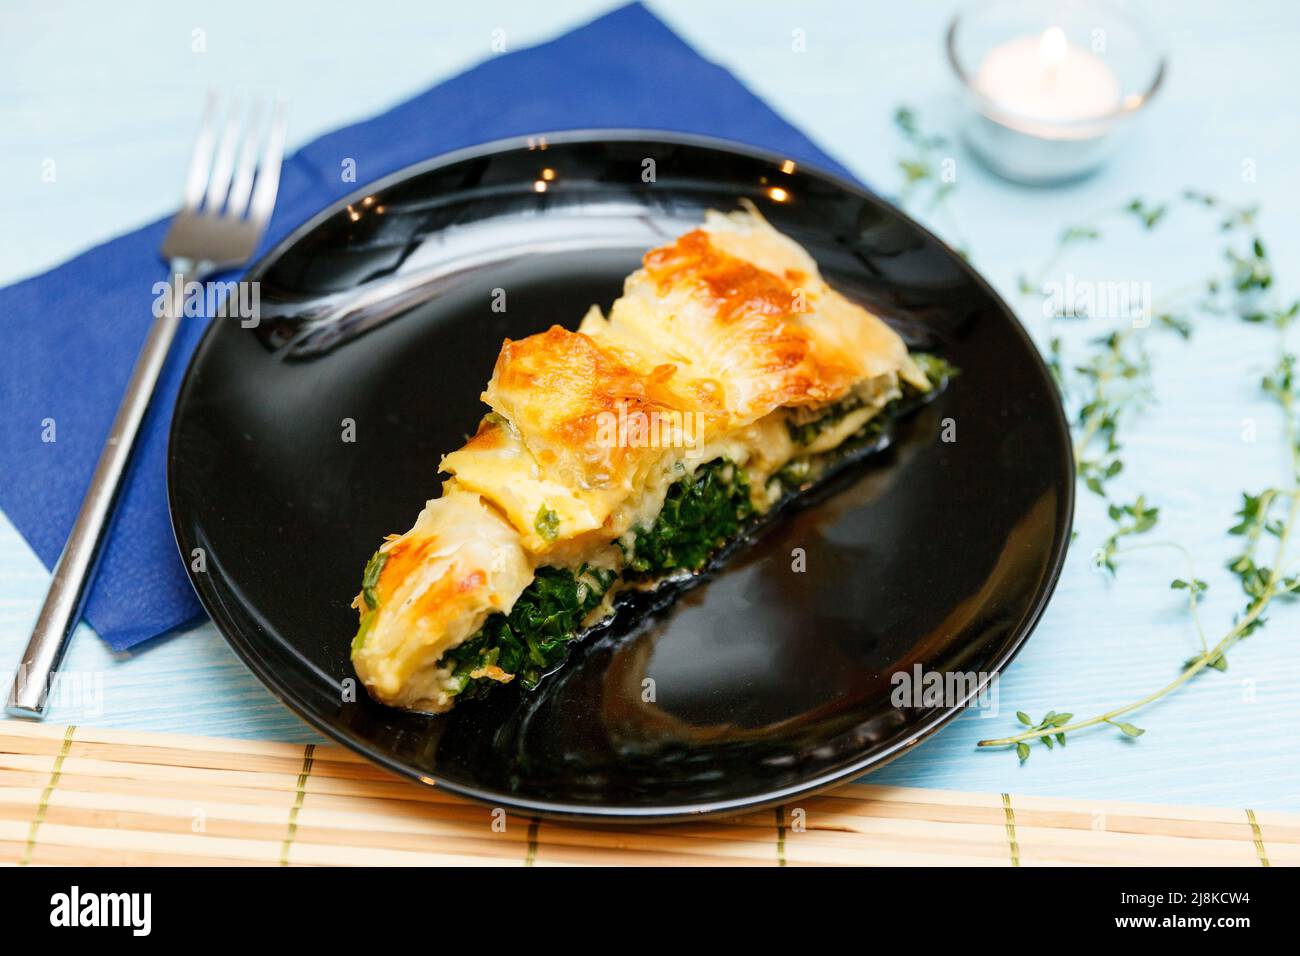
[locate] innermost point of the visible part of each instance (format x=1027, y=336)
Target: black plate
x=768, y=683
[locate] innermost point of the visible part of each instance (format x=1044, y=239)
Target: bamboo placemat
x=76, y=795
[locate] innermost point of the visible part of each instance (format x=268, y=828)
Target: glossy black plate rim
x=244, y=644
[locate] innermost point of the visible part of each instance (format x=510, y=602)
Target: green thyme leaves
x=1114, y=381
x=1126, y=728
x=929, y=172
x=1046, y=730
x=1131, y=519
x=1147, y=214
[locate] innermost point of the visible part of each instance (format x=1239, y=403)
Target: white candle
x=1048, y=78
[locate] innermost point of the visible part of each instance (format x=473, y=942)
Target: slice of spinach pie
x=624, y=453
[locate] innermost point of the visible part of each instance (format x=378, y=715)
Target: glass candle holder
x=1050, y=86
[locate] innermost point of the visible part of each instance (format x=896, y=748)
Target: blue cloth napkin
x=72, y=334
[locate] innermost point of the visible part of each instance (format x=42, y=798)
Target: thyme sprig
x=1239, y=290
x=1133, y=519
x=1270, y=514
x=927, y=173
x=1113, y=382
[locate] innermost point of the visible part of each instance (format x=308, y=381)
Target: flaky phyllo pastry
x=622, y=454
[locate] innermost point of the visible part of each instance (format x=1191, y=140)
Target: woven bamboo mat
x=76, y=795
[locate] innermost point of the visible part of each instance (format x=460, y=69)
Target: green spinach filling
x=533, y=638
x=701, y=513
x=800, y=471
x=936, y=369
x=806, y=433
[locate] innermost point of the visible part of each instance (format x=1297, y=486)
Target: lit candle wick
x=1051, y=51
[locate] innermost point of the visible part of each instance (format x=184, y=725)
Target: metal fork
x=224, y=211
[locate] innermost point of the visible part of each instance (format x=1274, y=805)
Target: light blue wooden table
x=110, y=92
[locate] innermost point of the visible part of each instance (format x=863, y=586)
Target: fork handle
x=76, y=566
